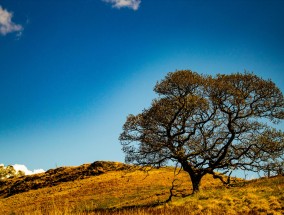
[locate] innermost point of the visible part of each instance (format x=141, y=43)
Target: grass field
x=115, y=189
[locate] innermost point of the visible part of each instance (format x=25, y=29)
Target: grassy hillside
x=116, y=188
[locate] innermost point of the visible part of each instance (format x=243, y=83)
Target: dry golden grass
x=131, y=192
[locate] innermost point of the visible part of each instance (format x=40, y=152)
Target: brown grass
x=127, y=192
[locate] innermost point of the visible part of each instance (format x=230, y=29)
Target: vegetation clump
x=9, y=172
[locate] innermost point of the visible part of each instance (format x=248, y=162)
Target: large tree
x=208, y=124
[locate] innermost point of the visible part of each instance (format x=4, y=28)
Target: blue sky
x=72, y=70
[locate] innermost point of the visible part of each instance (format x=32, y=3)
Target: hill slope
x=104, y=187
x=57, y=176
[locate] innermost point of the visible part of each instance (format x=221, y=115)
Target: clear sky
x=72, y=70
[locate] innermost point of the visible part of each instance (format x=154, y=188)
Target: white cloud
x=6, y=24
x=133, y=4
x=20, y=167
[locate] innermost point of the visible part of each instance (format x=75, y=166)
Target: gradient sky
x=72, y=70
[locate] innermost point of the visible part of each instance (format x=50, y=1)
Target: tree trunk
x=195, y=180
x=195, y=176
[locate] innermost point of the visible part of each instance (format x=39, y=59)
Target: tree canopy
x=208, y=123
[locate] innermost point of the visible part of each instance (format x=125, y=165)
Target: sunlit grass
x=136, y=192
